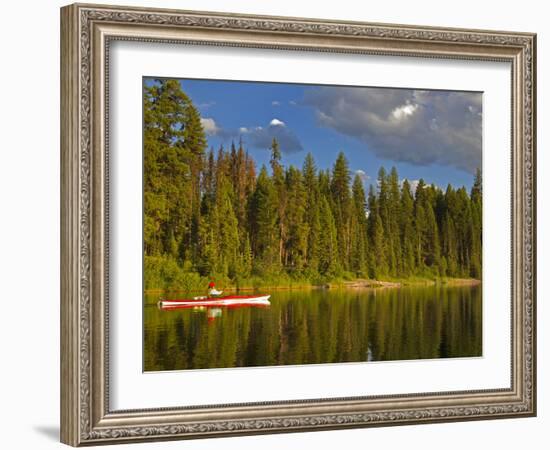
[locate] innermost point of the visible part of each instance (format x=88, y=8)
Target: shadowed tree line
x=214, y=214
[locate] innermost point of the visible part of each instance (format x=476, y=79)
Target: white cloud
x=406, y=125
x=243, y=130
x=363, y=175
x=412, y=183
x=210, y=126
x=276, y=103
x=276, y=123
x=292, y=102
x=403, y=111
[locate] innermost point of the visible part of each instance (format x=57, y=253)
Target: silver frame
x=86, y=33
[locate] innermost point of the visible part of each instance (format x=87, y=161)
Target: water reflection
x=318, y=326
x=212, y=312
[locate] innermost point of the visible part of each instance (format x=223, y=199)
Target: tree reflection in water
x=318, y=326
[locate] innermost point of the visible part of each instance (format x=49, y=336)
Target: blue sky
x=435, y=135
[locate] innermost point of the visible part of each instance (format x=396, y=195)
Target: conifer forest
x=214, y=213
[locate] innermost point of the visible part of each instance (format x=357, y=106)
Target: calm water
x=318, y=326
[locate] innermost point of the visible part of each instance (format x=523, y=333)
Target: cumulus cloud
x=402, y=111
x=276, y=103
x=413, y=126
x=276, y=122
x=210, y=127
x=363, y=175
x=412, y=183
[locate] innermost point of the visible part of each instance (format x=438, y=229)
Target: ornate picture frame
x=87, y=31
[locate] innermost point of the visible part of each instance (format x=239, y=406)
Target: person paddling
x=212, y=291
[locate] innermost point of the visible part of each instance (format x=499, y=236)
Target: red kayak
x=228, y=300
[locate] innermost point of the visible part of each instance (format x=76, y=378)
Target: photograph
x=291, y=224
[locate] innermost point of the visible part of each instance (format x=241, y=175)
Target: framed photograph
x=278, y=224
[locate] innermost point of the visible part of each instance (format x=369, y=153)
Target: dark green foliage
x=264, y=228
x=328, y=244
x=312, y=214
x=174, y=144
x=295, y=245
x=341, y=207
x=213, y=216
x=407, y=230
x=358, y=230
x=378, y=263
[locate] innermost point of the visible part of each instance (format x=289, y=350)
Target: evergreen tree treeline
x=212, y=214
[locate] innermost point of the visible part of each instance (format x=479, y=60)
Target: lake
x=318, y=326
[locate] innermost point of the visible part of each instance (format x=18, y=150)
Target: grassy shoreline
x=360, y=283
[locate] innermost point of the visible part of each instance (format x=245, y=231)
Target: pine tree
x=246, y=258
x=359, y=237
x=407, y=232
x=240, y=185
x=377, y=243
x=341, y=202
x=447, y=234
x=384, y=213
x=250, y=176
x=476, y=193
x=431, y=239
x=420, y=225
x=428, y=250
x=324, y=184
x=263, y=218
x=297, y=227
x=328, y=245
x=312, y=213
x=394, y=240
x=279, y=184
x=208, y=236
x=462, y=218
x=476, y=230
x=174, y=144
x=194, y=142
x=227, y=235
x=208, y=176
